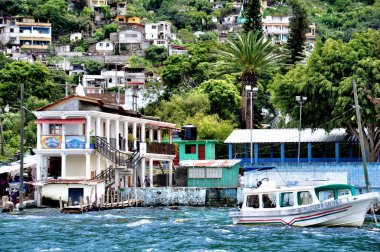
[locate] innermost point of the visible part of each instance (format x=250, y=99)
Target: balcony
x=161, y=148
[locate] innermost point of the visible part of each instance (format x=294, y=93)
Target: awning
x=61, y=121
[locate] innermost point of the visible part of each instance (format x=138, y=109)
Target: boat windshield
x=334, y=191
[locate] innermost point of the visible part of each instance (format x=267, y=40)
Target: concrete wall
x=184, y=196
x=76, y=166
x=166, y=196
x=52, y=192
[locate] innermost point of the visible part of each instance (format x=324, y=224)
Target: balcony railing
x=161, y=148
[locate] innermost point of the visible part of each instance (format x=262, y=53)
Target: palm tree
x=247, y=53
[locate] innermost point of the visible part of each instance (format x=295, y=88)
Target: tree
x=224, y=98
x=298, y=28
x=156, y=54
x=35, y=77
x=179, y=108
x=252, y=14
x=247, y=53
x=211, y=126
x=93, y=66
x=326, y=80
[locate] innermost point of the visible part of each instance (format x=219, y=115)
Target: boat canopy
x=336, y=188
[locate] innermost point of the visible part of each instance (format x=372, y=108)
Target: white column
x=39, y=166
x=88, y=129
x=134, y=134
x=117, y=179
x=108, y=130
x=126, y=135
x=117, y=129
x=170, y=173
x=159, y=136
x=98, y=170
x=142, y=176
x=98, y=123
x=63, y=168
x=39, y=131
x=63, y=144
x=151, y=171
x=170, y=137
x=143, y=135
x=151, y=135
x=88, y=166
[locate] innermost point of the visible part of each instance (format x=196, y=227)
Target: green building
x=222, y=173
x=196, y=149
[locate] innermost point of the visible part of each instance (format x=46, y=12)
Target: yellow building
x=134, y=20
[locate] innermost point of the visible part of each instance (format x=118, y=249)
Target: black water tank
x=188, y=132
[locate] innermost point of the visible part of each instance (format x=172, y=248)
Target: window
x=101, y=44
x=12, y=30
x=196, y=173
x=326, y=195
x=344, y=193
x=107, y=44
x=214, y=172
x=286, y=199
x=190, y=149
x=55, y=129
x=154, y=27
x=304, y=198
x=269, y=200
x=110, y=80
x=253, y=201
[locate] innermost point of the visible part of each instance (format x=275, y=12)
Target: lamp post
x=251, y=90
x=300, y=99
x=21, y=192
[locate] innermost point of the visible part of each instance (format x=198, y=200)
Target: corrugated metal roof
x=209, y=163
x=288, y=136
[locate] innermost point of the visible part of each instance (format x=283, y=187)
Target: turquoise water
x=162, y=229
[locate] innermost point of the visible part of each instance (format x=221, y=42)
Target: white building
x=130, y=37
x=26, y=32
x=105, y=47
x=159, y=33
x=76, y=36
x=174, y=49
x=278, y=28
x=94, y=84
x=79, y=139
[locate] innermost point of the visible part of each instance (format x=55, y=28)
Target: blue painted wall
x=355, y=174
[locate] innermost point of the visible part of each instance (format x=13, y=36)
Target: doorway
x=201, y=152
x=55, y=167
x=76, y=194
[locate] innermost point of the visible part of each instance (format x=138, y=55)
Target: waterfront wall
x=183, y=196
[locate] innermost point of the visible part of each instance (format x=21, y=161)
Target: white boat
x=326, y=205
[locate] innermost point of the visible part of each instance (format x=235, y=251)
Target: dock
x=112, y=200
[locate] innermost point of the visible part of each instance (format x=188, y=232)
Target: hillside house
x=26, y=32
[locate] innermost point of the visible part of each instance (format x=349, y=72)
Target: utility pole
x=361, y=139
x=300, y=99
x=66, y=90
x=2, y=133
x=21, y=191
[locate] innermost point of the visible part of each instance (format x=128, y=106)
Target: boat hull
x=348, y=211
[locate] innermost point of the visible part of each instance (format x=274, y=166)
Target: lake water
x=162, y=229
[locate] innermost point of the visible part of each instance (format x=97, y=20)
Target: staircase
x=121, y=160
x=108, y=175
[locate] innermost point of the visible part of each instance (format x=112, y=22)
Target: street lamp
x=251, y=90
x=300, y=99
